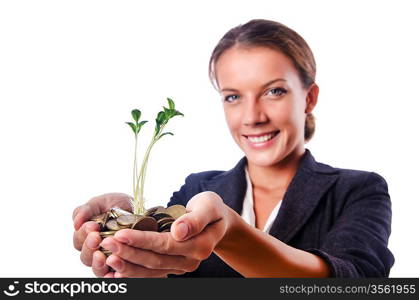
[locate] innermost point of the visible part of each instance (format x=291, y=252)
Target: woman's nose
x=254, y=113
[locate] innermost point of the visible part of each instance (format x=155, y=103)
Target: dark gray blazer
x=343, y=216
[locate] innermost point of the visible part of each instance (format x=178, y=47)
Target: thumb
x=82, y=214
x=203, y=209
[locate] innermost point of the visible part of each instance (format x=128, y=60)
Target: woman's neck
x=277, y=176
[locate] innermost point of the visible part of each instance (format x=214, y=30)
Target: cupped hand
x=86, y=235
x=193, y=238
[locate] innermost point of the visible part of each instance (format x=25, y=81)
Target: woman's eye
x=277, y=91
x=231, y=98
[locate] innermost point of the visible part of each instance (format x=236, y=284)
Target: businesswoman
x=278, y=212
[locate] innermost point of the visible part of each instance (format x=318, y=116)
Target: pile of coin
x=158, y=219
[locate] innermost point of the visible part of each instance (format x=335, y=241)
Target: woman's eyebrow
x=265, y=85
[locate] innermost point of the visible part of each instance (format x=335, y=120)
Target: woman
x=278, y=212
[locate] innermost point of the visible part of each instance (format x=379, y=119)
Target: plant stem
x=139, y=199
x=144, y=169
x=141, y=177
x=135, y=171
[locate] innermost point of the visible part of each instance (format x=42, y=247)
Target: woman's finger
x=157, y=242
x=99, y=267
x=204, y=209
x=198, y=247
x=80, y=235
x=149, y=259
x=84, y=213
x=90, y=245
x=98, y=205
x=127, y=269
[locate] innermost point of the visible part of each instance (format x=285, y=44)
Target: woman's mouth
x=261, y=140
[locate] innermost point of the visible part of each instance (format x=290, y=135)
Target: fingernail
x=117, y=264
x=121, y=239
x=92, y=243
x=91, y=227
x=182, y=230
x=98, y=263
x=110, y=246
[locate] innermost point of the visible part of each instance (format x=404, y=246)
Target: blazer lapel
x=306, y=189
x=230, y=186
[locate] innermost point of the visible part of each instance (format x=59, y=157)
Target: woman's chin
x=261, y=160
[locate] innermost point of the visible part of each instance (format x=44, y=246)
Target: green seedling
x=162, y=119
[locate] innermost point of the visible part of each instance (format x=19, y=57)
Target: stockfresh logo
x=12, y=290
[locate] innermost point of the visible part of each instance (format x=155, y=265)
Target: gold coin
x=176, y=211
x=145, y=224
x=113, y=225
x=165, y=228
x=161, y=215
x=165, y=220
x=128, y=220
x=106, y=252
x=101, y=219
x=98, y=218
x=105, y=234
x=116, y=212
x=153, y=210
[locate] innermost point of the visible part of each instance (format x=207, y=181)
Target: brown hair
x=277, y=36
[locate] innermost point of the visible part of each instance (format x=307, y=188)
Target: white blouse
x=248, y=213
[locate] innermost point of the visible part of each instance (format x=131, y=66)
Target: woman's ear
x=311, y=99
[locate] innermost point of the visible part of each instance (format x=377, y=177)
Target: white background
x=71, y=71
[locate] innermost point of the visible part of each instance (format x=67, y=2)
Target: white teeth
x=261, y=139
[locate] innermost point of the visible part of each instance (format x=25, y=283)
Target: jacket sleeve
x=190, y=188
x=356, y=245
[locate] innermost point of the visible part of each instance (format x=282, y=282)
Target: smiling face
x=264, y=102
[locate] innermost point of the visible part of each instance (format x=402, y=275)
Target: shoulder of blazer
x=219, y=182
x=308, y=165
x=231, y=185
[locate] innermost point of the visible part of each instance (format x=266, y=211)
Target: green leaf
x=136, y=114
x=133, y=127
x=168, y=113
x=160, y=117
x=178, y=113
x=165, y=134
x=159, y=122
x=171, y=104
x=142, y=123
x=139, y=125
